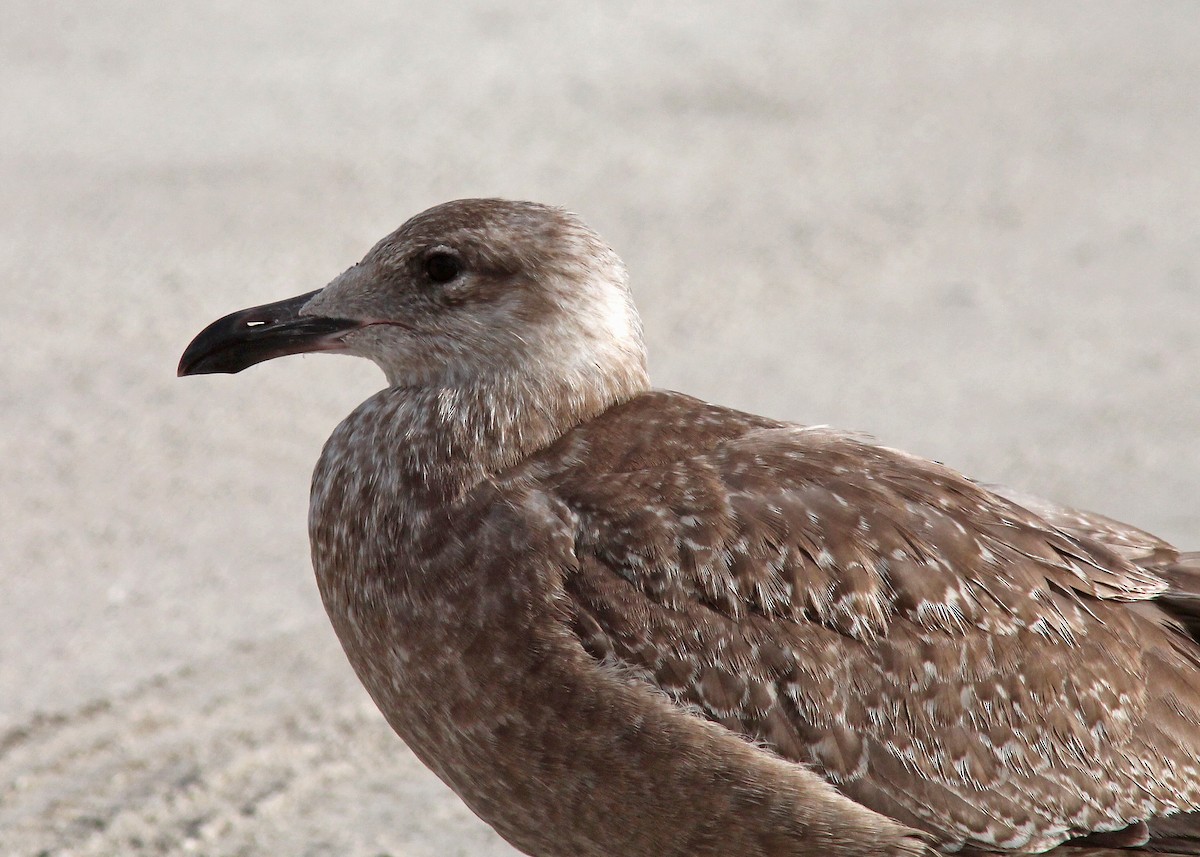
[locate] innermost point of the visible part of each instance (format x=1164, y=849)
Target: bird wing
x=1179, y=571
x=1136, y=545
x=941, y=654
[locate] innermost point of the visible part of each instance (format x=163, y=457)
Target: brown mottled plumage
x=624, y=622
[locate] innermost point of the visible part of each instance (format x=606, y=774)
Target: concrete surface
x=968, y=229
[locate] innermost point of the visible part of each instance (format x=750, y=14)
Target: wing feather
x=941, y=653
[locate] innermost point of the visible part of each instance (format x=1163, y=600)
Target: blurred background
x=969, y=230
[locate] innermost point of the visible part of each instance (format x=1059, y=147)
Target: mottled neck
x=436, y=443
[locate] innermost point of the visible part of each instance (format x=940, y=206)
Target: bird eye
x=442, y=267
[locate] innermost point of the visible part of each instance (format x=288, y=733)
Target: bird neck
x=435, y=443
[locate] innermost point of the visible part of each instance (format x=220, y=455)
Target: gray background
x=967, y=229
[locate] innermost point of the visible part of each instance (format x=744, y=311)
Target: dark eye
x=442, y=267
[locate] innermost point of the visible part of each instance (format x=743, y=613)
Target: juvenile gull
x=619, y=621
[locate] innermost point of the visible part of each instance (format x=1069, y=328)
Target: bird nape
x=624, y=621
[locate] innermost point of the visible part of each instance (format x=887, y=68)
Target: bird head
x=468, y=289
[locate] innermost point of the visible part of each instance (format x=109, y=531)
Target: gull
x=623, y=621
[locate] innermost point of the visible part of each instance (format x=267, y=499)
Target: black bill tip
x=244, y=338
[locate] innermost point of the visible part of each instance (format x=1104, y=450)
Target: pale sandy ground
x=972, y=230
